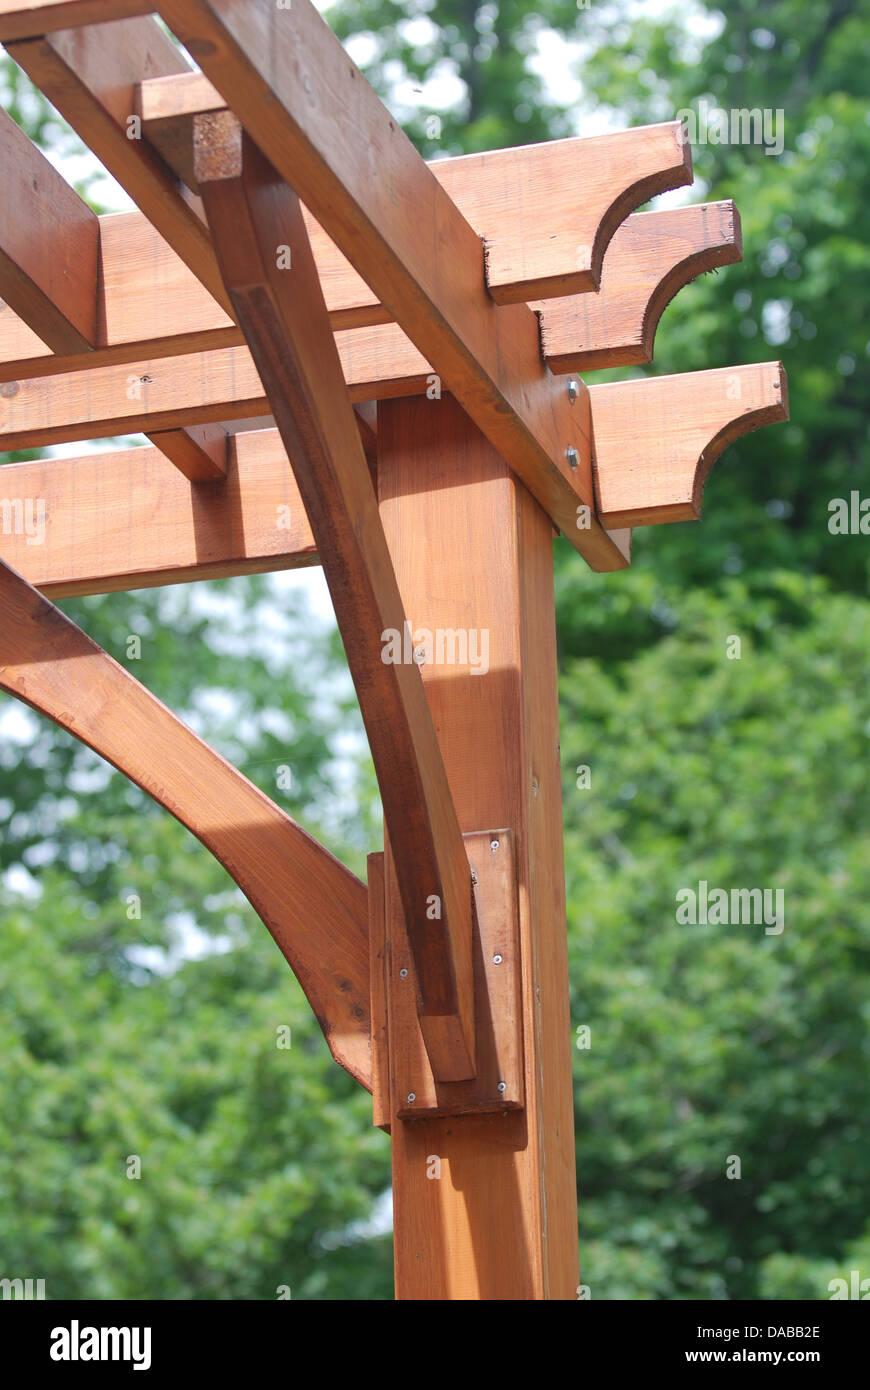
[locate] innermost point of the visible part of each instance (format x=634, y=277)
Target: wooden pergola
x=344, y=356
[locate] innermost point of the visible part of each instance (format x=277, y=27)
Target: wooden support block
x=378, y=961
x=128, y=519
x=24, y=19
x=651, y=257
x=499, y=1083
x=49, y=246
x=199, y=452
x=473, y=550
x=316, y=910
x=417, y=252
x=270, y=274
x=656, y=440
x=90, y=76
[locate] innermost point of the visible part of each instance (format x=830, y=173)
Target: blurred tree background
x=155, y=1035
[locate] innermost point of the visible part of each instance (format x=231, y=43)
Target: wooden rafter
x=128, y=519
x=315, y=908
x=49, y=278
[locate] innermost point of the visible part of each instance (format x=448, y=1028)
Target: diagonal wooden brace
x=314, y=907
x=269, y=271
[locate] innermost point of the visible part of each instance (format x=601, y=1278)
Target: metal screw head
x=573, y=457
x=411, y=1097
x=403, y=974
x=493, y=844
x=573, y=390
x=473, y=876
x=496, y=960
x=502, y=1086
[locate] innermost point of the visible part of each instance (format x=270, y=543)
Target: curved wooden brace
x=652, y=256
x=655, y=440
x=316, y=910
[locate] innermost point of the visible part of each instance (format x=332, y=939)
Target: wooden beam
x=199, y=452
x=315, y=908
x=49, y=240
x=416, y=251
x=90, y=75
x=473, y=550
x=278, y=302
x=656, y=440
x=34, y=17
x=128, y=519
x=546, y=212
x=651, y=257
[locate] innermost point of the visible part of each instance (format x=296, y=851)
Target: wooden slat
x=651, y=257
x=49, y=240
x=360, y=176
x=199, y=452
x=656, y=440
x=23, y=21
x=283, y=314
x=473, y=550
x=315, y=908
x=128, y=519
x=381, y=1113
x=90, y=75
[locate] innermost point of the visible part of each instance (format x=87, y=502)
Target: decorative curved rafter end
x=653, y=255
x=655, y=440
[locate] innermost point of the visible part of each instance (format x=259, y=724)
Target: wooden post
x=473, y=550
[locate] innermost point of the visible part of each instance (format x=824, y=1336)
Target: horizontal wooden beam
x=656, y=439
x=546, y=212
x=283, y=314
x=49, y=240
x=403, y=234
x=652, y=256
x=316, y=910
x=128, y=519
x=33, y=17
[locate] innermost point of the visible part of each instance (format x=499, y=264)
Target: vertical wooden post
x=473, y=550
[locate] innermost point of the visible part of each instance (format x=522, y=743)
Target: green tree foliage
x=155, y=1035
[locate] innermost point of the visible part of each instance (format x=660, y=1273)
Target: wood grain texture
x=26, y=20
x=49, y=240
x=90, y=75
x=473, y=550
x=315, y=908
x=199, y=452
x=252, y=213
x=128, y=519
x=656, y=440
x=325, y=131
x=652, y=256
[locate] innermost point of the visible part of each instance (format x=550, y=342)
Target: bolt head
x=493, y=844
x=403, y=974
x=573, y=457
x=573, y=390
x=502, y=1086
x=496, y=960
x=411, y=1097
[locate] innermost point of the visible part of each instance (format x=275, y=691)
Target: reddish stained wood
x=252, y=215
x=314, y=907
x=49, y=241
x=199, y=452
x=22, y=21
x=128, y=519
x=656, y=440
x=473, y=550
x=652, y=256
